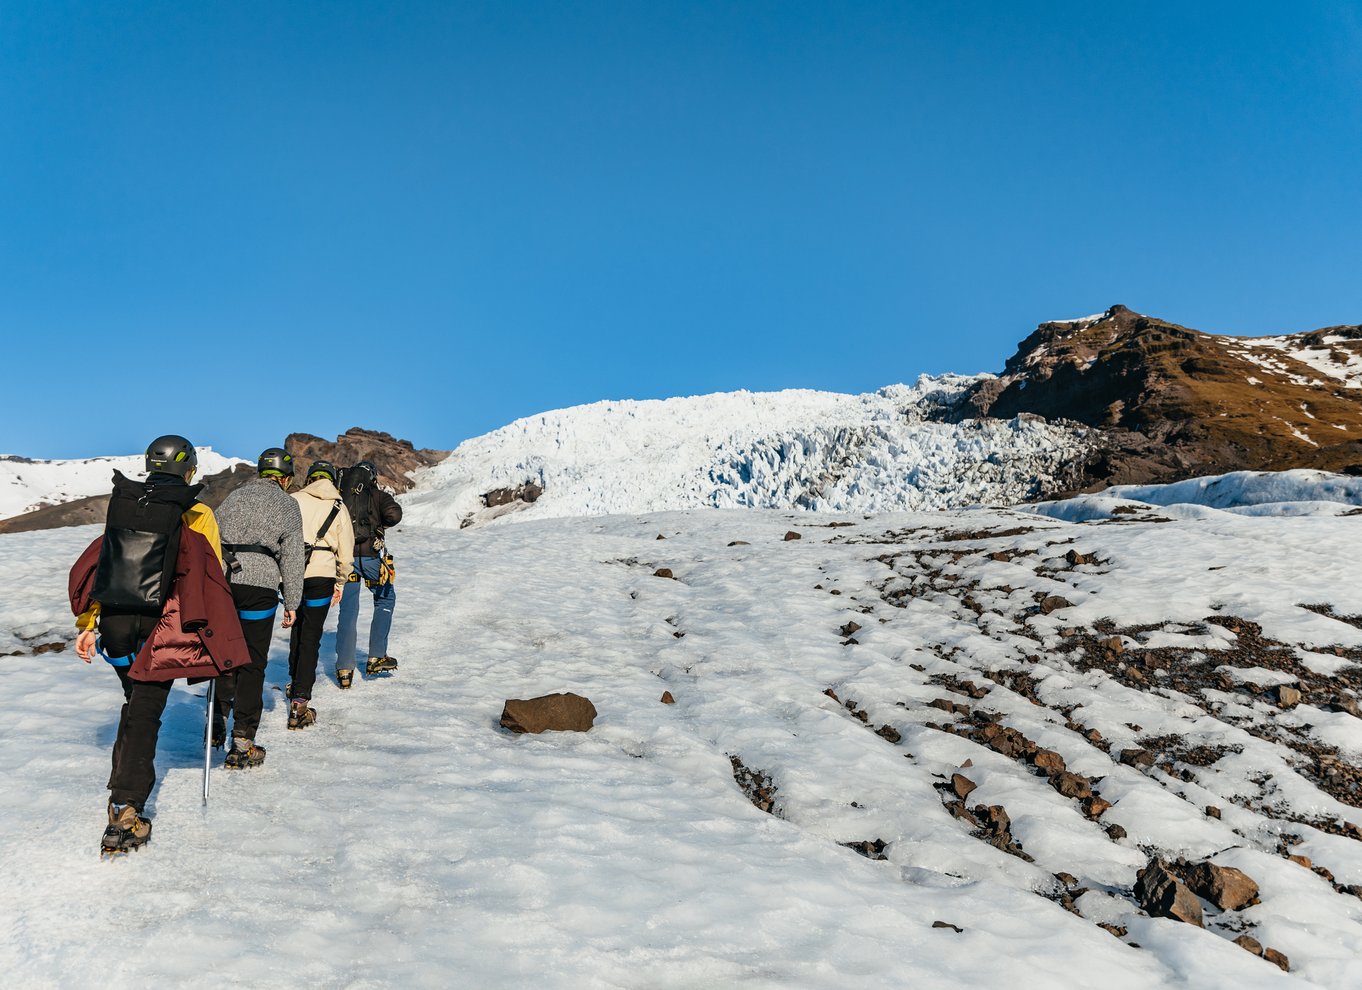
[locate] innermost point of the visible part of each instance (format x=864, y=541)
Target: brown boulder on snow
x=549, y=713
x=1224, y=886
x=1163, y=895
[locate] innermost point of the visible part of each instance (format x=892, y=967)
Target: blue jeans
x=385, y=597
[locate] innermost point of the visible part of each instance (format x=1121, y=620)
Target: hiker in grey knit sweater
x=262, y=541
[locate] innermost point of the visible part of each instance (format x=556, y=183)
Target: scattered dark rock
x=1115, y=832
x=1049, y=761
x=872, y=849
x=1138, y=758
x=792, y=535
x=947, y=924
x=962, y=785
x=1225, y=887
x=740, y=543
x=1053, y=603
x=1096, y=806
x=1212, y=811
x=565, y=712
x=664, y=572
x=1072, y=785
x=1162, y=895
x=850, y=628
x=756, y=785
x=888, y=732
x=667, y=698
x=1250, y=943
x=1277, y=959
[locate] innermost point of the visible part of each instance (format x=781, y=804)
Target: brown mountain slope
x=1175, y=402
x=395, y=458
x=83, y=511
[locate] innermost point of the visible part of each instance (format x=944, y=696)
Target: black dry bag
x=357, y=491
x=141, y=545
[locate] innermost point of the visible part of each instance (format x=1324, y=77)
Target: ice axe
x=208, y=737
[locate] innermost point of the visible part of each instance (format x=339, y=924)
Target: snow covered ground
x=29, y=484
x=820, y=451
x=407, y=840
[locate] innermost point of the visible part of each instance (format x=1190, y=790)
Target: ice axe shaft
x=208, y=737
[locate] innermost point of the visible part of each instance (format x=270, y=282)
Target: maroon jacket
x=198, y=634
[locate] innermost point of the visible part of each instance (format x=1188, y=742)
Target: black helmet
x=275, y=462
x=171, y=454
x=323, y=469
x=370, y=468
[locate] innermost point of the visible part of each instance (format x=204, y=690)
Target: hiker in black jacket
x=372, y=511
x=262, y=542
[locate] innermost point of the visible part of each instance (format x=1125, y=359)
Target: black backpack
x=141, y=545
x=357, y=491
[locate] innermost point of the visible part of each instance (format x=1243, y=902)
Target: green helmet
x=171, y=454
x=322, y=469
x=276, y=462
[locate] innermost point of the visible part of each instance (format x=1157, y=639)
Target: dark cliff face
x=395, y=458
x=1174, y=402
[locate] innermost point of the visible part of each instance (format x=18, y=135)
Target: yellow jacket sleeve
x=85, y=622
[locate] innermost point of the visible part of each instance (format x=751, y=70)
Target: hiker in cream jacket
x=328, y=545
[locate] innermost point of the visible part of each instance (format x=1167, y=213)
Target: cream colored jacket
x=334, y=553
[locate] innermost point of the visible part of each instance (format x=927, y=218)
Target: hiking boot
x=380, y=665
x=245, y=753
x=345, y=678
x=127, y=830
x=300, y=716
x=219, y=731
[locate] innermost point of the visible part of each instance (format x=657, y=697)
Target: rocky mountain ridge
x=1172, y=402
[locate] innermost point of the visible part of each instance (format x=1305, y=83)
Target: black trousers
x=307, y=635
x=242, y=691
x=122, y=634
x=134, y=756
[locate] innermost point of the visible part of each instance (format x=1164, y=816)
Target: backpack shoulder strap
x=308, y=548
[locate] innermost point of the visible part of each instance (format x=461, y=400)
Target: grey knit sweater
x=262, y=512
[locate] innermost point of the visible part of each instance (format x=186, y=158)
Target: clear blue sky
x=233, y=220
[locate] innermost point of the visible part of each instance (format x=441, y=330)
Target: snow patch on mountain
x=796, y=449
x=27, y=484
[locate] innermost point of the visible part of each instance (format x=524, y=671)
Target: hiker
x=262, y=541
x=151, y=590
x=329, y=540
x=372, y=510
x=120, y=640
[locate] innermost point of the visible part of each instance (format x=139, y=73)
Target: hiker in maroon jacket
x=194, y=633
